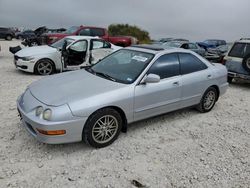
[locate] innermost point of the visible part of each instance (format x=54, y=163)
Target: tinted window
x=97, y=32
x=190, y=63
x=166, y=66
x=240, y=50
x=85, y=32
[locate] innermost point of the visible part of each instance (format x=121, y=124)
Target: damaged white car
x=70, y=53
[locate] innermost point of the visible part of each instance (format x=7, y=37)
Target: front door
x=76, y=54
x=157, y=98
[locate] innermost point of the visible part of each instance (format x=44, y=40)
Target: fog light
x=53, y=132
x=39, y=110
x=47, y=114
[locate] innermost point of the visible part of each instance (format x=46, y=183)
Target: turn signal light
x=54, y=132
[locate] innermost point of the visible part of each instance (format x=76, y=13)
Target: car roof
x=81, y=37
x=243, y=41
x=156, y=49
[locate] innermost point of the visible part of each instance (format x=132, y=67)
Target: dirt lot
x=179, y=149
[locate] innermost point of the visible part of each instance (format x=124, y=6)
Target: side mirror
x=151, y=78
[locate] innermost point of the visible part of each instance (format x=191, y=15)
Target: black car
x=6, y=33
x=25, y=34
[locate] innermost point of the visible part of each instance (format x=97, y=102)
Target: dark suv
x=6, y=33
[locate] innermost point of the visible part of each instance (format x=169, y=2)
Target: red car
x=123, y=41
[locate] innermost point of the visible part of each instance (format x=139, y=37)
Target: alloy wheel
x=44, y=68
x=105, y=129
x=209, y=100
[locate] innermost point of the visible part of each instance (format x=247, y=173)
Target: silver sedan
x=95, y=104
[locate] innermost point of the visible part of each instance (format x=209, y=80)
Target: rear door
x=196, y=78
x=157, y=98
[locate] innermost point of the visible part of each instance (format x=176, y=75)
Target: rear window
x=240, y=50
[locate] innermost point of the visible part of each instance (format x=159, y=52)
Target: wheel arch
x=46, y=58
x=120, y=111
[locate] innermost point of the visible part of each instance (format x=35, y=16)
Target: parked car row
x=185, y=45
x=49, y=36
x=137, y=82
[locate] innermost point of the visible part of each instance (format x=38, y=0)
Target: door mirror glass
x=152, y=78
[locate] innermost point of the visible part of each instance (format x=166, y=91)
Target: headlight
x=47, y=114
x=39, y=110
x=26, y=58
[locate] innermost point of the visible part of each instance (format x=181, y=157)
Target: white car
x=69, y=53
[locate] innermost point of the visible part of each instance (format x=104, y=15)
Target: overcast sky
x=192, y=19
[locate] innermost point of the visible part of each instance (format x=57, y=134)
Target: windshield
x=71, y=30
x=172, y=44
x=59, y=44
x=210, y=42
x=123, y=66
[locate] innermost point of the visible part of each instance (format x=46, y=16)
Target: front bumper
x=73, y=128
x=27, y=66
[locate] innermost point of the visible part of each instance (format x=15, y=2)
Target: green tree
x=128, y=30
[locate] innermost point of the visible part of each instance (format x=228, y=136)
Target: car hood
x=35, y=50
x=72, y=86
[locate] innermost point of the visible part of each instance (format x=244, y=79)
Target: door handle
x=176, y=83
x=209, y=76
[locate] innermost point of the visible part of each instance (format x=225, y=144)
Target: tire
x=40, y=67
x=246, y=63
x=8, y=37
x=96, y=128
x=205, y=105
x=229, y=79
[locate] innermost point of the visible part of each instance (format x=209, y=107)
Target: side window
x=80, y=46
x=96, y=44
x=107, y=45
x=192, y=46
x=190, y=63
x=166, y=66
x=97, y=32
x=85, y=32
x=184, y=46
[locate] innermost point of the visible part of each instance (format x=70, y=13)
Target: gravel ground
x=180, y=149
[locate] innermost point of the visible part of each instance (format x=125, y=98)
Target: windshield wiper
x=89, y=69
x=105, y=76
